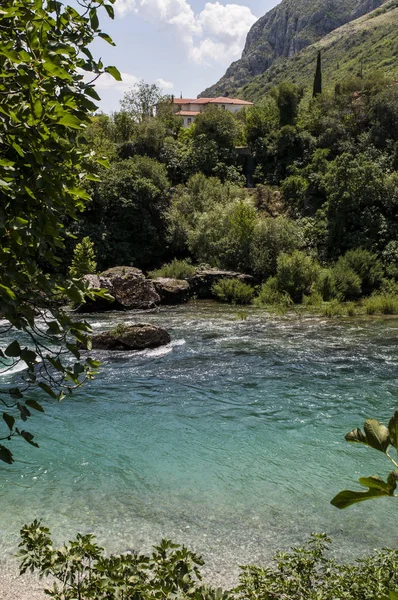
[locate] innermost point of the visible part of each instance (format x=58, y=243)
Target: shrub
x=326, y=284
x=176, y=269
x=347, y=282
x=386, y=304
x=333, y=309
x=296, y=274
x=83, y=261
x=271, y=237
x=351, y=309
x=270, y=295
x=367, y=266
x=314, y=299
x=306, y=573
x=81, y=570
x=233, y=291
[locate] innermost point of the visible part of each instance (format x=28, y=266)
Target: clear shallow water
x=230, y=440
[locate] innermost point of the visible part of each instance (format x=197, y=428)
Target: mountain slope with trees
x=295, y=29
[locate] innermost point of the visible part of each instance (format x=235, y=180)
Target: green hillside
x=369, y=43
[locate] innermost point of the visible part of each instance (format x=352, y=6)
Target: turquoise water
x=230, y=440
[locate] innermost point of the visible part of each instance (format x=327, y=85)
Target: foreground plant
x=82, y=572
x=384, y=439
x=45, y=106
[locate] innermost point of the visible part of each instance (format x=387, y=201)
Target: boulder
x=127, y=285
x=201, y=283
x=131, y=337
x=172, y=291
x=131, y=289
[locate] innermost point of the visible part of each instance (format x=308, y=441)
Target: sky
x=182, y=45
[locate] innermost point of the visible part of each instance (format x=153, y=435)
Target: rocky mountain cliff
x=283, y=32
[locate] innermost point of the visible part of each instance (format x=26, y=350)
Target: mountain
x=286, y=31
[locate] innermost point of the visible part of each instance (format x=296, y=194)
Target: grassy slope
x=372, y=40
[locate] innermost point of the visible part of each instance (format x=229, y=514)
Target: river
x=230, y=439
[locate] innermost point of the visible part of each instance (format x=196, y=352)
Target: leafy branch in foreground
x=45, y=107
x=381, y=438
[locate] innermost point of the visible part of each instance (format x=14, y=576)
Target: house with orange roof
x=189, y=109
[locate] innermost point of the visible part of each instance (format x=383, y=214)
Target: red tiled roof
x=219, y=100
x=188, y=113
x=182, y=100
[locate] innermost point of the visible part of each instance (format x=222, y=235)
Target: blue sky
x=184, y=45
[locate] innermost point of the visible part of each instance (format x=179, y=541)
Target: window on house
x=223, y=106
x=189, y=120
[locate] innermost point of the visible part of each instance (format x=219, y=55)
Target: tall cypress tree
x=318, y=77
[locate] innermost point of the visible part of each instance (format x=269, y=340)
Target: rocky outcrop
x=283, y=32
x=202, y=282
x=127, y=285
x=131, y=337
x=172, y=291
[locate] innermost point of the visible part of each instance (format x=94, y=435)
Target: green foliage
x=271, y=237
x=296, y=274
x=334, y=308
x=217, y=126
x=176, y=269
x=141, y=99
x=357, y=273
x=270, y=294
x=45, y=108
x=384, y=304
x=309, y=573
x=379, y=437
x=126, y=216
x=81, y=570
x=288, y=98
x=83, y=261
x=233, y=291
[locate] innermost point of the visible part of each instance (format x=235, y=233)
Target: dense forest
x=318, y=220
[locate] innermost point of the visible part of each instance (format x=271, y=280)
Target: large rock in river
x=131, y=337
x=172, y=291
x=202, y=282
x=127, y=285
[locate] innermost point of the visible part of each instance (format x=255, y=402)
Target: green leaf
x=109, y=9
x=46, y=388
x=38, y=109
x=6, y=291
x=357, y=436
x=393, y=430
x=114, y=72
x=28, y=437
x=377, y=435
x=5, y=455
x=94, y=18
x=71, y=121
x=35, y=405
x=14, y=349
x=107, y=38
x=377, y=483
x=348, y=498
x=9, y=420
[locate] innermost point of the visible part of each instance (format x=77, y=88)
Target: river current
x=230, y=439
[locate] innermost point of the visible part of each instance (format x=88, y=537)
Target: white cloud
x=216, y=34
x=106, y=82
x=165, y=85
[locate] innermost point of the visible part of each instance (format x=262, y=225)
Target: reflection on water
x=230, y=439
